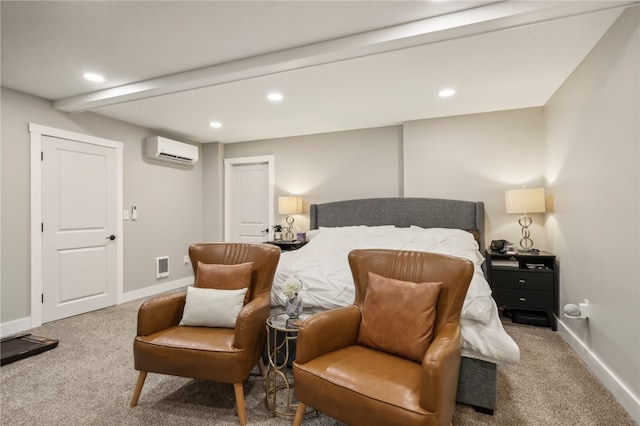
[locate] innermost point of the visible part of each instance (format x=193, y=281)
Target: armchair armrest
x=327, y=331
x=440, y=368
x=251, y=322
x=160, y=313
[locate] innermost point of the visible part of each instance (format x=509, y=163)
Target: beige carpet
x=89, y=379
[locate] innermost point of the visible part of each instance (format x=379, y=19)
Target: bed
x=447, y=226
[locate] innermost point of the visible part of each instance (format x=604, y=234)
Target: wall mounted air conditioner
x=159, y=148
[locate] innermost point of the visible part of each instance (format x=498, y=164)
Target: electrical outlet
x=584, y=309
x=186, y=259
x=125, y=215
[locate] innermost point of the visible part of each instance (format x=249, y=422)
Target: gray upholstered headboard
x=403, y=212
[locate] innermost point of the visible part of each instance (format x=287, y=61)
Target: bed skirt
x=477, y=384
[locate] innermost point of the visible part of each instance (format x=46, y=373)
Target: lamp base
x=526, y=243
x=289, y=235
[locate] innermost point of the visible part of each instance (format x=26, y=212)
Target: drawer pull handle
x=523, y=299
x=521, y=281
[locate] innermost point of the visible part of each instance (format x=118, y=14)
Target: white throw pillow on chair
x=209, y=307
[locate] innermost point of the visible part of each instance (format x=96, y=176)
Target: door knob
x=111, y=237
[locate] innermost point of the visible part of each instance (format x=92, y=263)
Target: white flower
x=291, y=287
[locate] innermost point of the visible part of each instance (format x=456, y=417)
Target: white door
x=248, y=199
x=79, y=227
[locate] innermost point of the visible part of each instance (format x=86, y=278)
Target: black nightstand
x=288, y=245
x=526, y=284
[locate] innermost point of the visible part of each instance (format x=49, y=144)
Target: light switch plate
x=125, y=215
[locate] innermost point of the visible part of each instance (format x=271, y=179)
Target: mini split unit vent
x=160, y=148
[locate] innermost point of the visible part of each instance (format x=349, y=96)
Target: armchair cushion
x=405, y=326
x=209, y=307
x=225, y=277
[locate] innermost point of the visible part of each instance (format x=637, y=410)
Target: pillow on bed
x=225, y=277
x=398, y=316
x=455, y=242
x=209, y=307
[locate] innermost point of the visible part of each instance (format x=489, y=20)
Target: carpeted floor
x=89, y=378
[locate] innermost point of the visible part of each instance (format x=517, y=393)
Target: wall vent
x=162, y=267
x=165, y=149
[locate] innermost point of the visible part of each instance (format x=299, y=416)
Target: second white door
x=249, y=197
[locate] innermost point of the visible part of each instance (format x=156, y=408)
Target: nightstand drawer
x=524, y=299
x=522, y=280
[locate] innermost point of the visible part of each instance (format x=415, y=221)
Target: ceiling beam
x=492, y=17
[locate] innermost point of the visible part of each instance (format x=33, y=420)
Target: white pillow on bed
x=354, y=229
x=455, y=242
x=342, y=238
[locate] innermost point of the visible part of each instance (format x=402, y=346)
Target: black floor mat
x=21, y=346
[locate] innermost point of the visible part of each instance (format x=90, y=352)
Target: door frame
x=37, y=131
x=229, y=164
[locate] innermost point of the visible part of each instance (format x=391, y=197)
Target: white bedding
x=323, y=268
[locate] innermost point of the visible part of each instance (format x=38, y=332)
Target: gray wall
x=169, y=200
x=332, y=166
x=471, y=157
x=477, y=157
x=592, y=170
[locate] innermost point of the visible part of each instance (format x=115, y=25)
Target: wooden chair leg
x=297, y=420
x=261, y=366
x=242, y=415
x=138, y=389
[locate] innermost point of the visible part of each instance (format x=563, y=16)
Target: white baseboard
x=620, y=391
x=13, y=327
x=24, y=324
x=155, y=289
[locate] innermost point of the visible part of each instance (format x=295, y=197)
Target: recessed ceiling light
x=93, y=77
x=215, y=124
x=275, y=96
x=445, y=93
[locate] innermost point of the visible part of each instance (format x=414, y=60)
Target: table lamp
x=523, y=201
x=289, y=205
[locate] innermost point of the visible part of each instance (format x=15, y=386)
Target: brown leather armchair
x=218, y=354
x=358, y=384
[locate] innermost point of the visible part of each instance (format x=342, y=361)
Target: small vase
x=293, y=306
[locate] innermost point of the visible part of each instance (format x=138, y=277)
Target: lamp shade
x=289, y=205
x=526, y=200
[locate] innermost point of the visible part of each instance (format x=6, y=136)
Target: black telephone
x=498, y=245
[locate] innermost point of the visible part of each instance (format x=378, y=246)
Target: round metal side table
x=282, y=331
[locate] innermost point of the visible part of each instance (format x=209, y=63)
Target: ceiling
x=175, y=66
